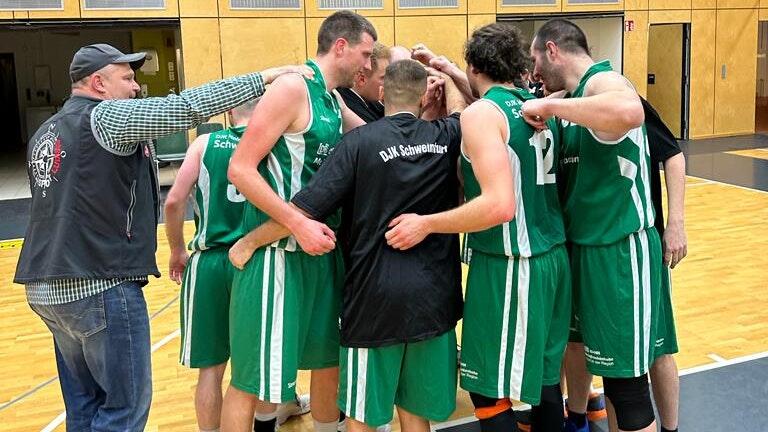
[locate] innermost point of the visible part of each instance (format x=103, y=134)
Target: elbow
x=633, y=116
x=234, y=173
x=504, y=212
x=172, y=204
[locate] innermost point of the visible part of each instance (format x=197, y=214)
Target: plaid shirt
x=120, y=126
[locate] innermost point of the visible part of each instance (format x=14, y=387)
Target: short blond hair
x=380, y=51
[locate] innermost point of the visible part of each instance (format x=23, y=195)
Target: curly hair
x=496, y=50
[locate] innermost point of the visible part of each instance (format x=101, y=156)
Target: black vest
x=94, y=213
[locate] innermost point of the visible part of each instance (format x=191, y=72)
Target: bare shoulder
x=607, y=81
x=288, y=85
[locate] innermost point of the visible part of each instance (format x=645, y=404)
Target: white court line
x=61, y=417
x=689, y=371
x=716, y=358
x=702, y=183
x=728, y=184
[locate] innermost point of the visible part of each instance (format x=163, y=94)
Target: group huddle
x=325, y=242
x=327, y=220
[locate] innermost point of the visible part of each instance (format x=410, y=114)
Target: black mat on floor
x=728, y=399
x=14, y=216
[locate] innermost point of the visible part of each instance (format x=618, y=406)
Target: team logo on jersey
x=45, y=161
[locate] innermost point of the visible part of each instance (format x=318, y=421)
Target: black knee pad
x=503, y=420
x=631, y=398
x=480, y=401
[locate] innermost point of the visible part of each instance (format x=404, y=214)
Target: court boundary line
x=684, y=372
x=44, y=384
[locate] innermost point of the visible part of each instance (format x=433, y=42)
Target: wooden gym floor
x=720, y=294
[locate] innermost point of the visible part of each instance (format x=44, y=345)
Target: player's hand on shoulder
x=240, y=253
x=176, y=264
x=407, y=230
x=315, y=238
x=536, y=112
x=271, y=74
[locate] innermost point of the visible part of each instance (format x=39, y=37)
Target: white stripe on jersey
x=348, y=376
x=204, y=186
x=629, y=170
x=190, y=307
x=521, y=329
x=297, y=148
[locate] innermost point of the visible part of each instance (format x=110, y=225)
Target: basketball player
x=285, y=304
x=518, y=290
x=616, y=252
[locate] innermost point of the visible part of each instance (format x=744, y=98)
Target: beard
x=551, y=76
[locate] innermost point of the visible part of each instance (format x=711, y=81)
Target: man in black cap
x=91, y=241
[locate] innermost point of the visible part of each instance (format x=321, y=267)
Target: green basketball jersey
x=606, y=187
x=297, y=156
x=538, y=222
x=218, y=205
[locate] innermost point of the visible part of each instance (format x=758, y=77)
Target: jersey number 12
x=545, y=156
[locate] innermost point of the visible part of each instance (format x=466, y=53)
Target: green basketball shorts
x=419, y=377
x=516, y=319
x=284, y=316
x=205, y=292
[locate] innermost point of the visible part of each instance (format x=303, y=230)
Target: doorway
x=668, y=74
x=761, y=93
x=9, y=105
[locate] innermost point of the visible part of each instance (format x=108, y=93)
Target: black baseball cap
x=91, y=58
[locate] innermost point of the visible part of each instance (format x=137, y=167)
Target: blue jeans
x=103, y=357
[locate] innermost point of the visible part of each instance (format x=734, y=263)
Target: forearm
x=265, y=234
x=611, y=112
x=454, y=100
x=459, y=77
x=478, y=214
x=174, y=226
x=120, y=124
x=674, y=178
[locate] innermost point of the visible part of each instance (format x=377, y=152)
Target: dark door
x=9, y=105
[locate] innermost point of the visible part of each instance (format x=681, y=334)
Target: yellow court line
x=11, y=244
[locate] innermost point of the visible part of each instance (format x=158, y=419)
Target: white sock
x=326, y=427
x=265, y=417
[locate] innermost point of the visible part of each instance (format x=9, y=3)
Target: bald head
x=399, y=52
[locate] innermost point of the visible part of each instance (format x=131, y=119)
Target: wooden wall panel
x=261, y=49
x=635, y=4
x=702, y=73
x=737, y=52
x=669, y=16
x=557, y=7
x=669, y=4
x=742, y=4
x=592, y=7
x=171, y=11
x=703, y=4
x=636, y=51
x=460, y=10
x=412, y=30
x=201, y=50
x=198, y=8
x=482, y=6
x=225, y=11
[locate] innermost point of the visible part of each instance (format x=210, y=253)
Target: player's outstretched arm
x=483, y=130
x=284, y=107
x=610, y=108
x=675, y=242
x=175, y=204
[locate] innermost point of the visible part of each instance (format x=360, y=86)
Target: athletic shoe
x=596, y=407
x=289, y=409
x=571, y=427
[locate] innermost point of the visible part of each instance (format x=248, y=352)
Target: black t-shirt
x=368, y=111
x=662, y=145
x=396, y=165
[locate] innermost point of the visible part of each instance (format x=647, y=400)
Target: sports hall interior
x=702, y=63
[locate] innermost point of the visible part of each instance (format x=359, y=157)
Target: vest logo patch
x=45, y=161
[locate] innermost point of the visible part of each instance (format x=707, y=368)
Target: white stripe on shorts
x=192, y=281
x=362, y=374
x=276, y=338
x=646, y=297
x=521, y=329
x=264, y=299
x=505, y=326
x=636, y=302
x=348, y=376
